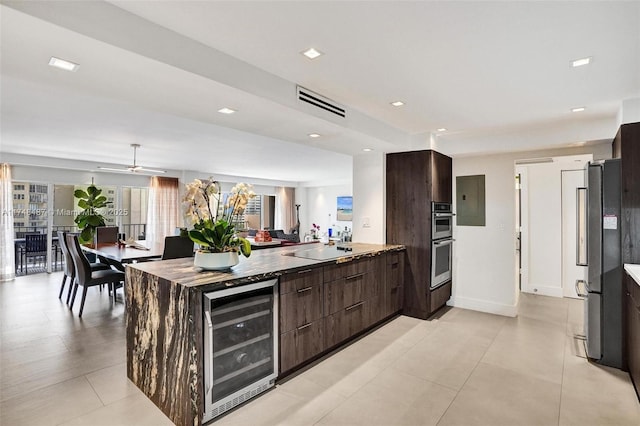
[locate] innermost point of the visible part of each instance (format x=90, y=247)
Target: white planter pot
x=216, y=261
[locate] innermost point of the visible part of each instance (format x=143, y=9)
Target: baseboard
x=545, y=290
x=483, y=306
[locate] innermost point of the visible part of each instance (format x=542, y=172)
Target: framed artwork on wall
x=345, y=208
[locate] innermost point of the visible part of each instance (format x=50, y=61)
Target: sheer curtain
x=163, y=215
x=7, y=249
x=285, y=211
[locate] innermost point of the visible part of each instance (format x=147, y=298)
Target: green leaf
x=245, y=247
x=86, y=236
x=95, y=220
x=79, y=193
x=91, y=189
x=198, y=238
x=83, y=204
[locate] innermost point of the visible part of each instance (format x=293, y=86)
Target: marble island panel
x=261, y=265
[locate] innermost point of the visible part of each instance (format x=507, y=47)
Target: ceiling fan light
x=135, y=168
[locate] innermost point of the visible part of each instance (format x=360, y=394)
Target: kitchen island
x=327, y=296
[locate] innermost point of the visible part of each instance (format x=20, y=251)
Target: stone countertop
x=633, y=271
x=261, y=265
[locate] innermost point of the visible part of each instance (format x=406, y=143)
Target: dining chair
x=176, y=247
x=106, y=234
x=69, y=268
x=35, y=246
x=85, y=277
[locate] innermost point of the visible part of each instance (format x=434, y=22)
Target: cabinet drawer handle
x=354, y=306
x=302, y=327
x=302, y=290
x=305, y=271
x=354, y=276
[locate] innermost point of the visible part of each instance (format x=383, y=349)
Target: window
x=133, y=212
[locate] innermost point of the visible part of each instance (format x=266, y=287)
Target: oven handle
x=207, y=316
x=444, y=214
x=444, y=242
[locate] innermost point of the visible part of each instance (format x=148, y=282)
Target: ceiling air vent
x=320, y=101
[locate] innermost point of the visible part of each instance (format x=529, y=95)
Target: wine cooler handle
x=207, y=316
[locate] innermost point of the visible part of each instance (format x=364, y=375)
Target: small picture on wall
x=345, y=208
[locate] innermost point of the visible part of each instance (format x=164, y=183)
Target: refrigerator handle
x=578, y=288
x=581, y=226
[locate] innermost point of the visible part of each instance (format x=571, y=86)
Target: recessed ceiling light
x=367, y=149
x=581, y=62
x=312, y=53
x=314, y=135
x=63, y=65
x=397, y=103
x=441, y=129
x=578, y=109
x=226, y=110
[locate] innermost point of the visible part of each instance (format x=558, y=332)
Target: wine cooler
x=240, y=344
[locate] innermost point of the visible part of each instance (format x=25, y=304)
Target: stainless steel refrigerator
x=599, y=250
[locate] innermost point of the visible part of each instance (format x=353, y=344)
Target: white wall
x=369, y=203
x=319, y=205
x=483, y=258
x=629, y=111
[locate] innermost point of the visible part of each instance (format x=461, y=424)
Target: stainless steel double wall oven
x=441, y=243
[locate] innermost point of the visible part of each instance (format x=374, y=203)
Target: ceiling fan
x=133, y=168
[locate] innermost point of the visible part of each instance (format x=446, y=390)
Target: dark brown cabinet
x=626, y=146
x=301, y=317
x=347, y=301
x=414, y=180
x=633, y=331
x=323, y=307
x=392, y=289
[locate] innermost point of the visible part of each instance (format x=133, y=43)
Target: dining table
x=119, y=254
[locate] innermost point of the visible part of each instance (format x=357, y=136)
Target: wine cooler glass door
x=241, y=342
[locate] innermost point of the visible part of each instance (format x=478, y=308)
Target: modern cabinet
x=414, y=180
x=392, y=289
x=626, y=146
x=633, y=331
x=301, y=317
x=348, y=296
x=320, y=308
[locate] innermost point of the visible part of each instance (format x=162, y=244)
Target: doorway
x=546, y=215
x=571, y=272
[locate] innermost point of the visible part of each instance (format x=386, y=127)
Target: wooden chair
x=85, y=276
x=177, y=247
x=35, y=246
x=69, y=268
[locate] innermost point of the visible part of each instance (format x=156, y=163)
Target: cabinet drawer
x=301, y=344
x=393, y=258
x=344, y=270
x=345, y=323
x=300, y=307
x=298, y=280
x=344, y=292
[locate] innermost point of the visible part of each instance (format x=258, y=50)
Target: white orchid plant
x=213, y=227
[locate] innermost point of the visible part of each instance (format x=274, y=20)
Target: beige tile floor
x=464, y=368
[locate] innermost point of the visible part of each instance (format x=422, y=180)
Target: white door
x=571, y=180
